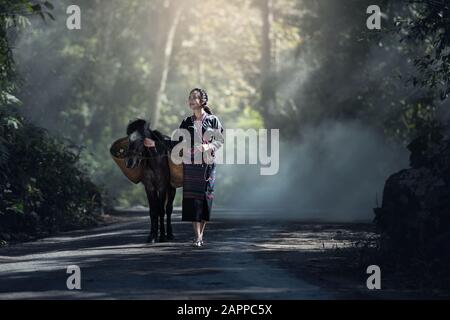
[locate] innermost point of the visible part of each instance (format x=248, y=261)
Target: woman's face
x=194, y=101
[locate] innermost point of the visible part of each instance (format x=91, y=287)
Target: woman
x=199, y=179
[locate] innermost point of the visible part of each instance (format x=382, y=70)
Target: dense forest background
x=347, y=100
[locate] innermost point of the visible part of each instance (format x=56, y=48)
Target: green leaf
x=36, y=7
x=10, y=99
x=29, y=7
x=18, y=208
x=48, y=5
x=50, y=16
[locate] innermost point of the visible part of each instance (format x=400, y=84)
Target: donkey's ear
x=135, y=125
x=131, y=126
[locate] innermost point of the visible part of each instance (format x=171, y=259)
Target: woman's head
x=198, y=98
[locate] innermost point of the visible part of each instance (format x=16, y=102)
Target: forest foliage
x=286, y=64
x=43, y=188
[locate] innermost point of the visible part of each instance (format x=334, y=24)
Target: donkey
x=156, y=175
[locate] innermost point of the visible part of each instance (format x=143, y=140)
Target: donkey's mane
x=160, y=136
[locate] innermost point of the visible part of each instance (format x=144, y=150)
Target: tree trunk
x=157, y=87
x=268, y=83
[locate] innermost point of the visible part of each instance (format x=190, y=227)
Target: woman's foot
x=197, y=243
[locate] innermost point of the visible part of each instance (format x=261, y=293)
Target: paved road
x=116, y=263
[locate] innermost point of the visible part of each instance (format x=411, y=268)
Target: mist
x=335, y=172
x=339, y=97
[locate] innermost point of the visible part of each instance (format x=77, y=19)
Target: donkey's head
x=137, y=131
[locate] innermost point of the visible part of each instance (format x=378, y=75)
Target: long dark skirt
x=198, y=191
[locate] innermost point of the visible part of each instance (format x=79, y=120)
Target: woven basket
x=117, y=151
x=176, y=174
x=135, y=175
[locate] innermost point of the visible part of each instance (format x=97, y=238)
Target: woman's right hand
x=149, y=143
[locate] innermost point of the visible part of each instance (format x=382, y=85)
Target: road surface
x=116, y=263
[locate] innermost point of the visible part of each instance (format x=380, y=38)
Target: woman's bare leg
x=197, y=230
x=202, y=228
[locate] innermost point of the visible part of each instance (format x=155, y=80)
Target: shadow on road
x=240, y=260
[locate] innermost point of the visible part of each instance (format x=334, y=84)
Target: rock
x=415, y=214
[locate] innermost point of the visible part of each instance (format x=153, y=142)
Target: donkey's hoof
x=151, y=239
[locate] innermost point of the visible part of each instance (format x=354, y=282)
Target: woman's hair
x=203, y=99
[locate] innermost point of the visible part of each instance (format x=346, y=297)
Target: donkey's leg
x=161, y=201
x=171, y=192
x=154, y=208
